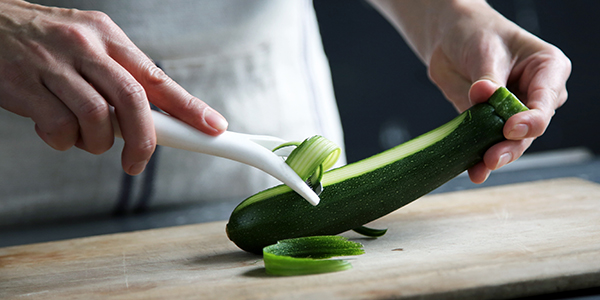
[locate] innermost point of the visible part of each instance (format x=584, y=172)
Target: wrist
x=425, y=23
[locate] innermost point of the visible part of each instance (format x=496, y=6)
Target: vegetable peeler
x=253, y=150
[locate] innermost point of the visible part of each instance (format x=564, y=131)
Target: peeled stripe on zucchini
x=361, y=192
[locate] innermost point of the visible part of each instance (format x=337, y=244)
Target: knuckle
x=192, y=103
x=79, y=37
x=147, y=146
x=82, y=33
x=558, y=58
x=143, y=148
x=539, y=122
x=434, y=69
x=551, y=94
x=93, y=111
x=60, y=133
x=155, y=76
x=97, y=17
x=72, y=32
x=132, y=95
x=433, y=75
x=564, y=95
x=566, y=61
x=63, y=124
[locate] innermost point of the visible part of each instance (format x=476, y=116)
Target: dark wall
x=385, y=96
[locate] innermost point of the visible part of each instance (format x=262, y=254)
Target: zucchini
x=361, y=192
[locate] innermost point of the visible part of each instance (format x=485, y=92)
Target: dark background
x=385, y=96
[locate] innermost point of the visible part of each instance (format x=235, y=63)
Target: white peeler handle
x=171, y=132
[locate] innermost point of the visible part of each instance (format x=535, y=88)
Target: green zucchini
x=361, y=192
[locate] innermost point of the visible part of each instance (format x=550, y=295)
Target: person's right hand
x=64, y=69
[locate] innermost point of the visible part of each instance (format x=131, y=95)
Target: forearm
x=423, y=23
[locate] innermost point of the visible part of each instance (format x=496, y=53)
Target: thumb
x=481, y=90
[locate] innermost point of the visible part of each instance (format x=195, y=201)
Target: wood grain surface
x=500, y=242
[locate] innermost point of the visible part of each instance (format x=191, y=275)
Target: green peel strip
x=311, y=154
x=312, y=158
x=309, y=255
x=370, y=232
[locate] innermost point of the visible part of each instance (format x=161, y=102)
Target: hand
x=65, y=68
x=470, y=50
x=483, y=51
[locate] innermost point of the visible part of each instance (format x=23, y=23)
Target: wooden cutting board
x=498, y=242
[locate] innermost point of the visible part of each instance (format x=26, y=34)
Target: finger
x=89, y=107
x=496, y=157
x=132, y=110
x=542, y=78
x=479, y=173
x=167, y=94
x=505, y=152
x=453, y=84
x=542, y=86
x=516, y=128
x=527, y=124
x=481, y=90
x=55, y=124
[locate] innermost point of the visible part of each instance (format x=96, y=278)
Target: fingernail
x=504, y=159
x=215, y=120
x=518, y=132
x=137, y=168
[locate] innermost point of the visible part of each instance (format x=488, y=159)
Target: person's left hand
x=483, y=51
